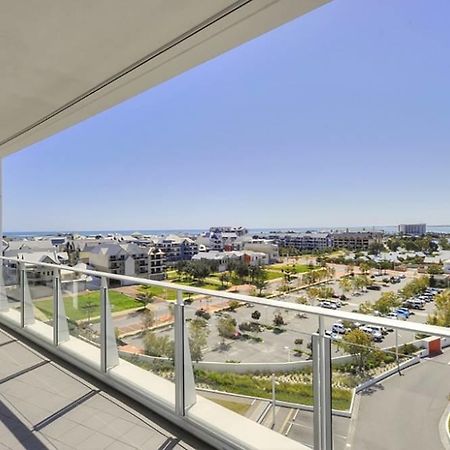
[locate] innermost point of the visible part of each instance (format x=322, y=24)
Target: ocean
x=390, y=229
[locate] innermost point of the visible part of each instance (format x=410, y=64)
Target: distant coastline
x=162, y=232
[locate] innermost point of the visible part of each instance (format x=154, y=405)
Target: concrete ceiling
x=62, y=61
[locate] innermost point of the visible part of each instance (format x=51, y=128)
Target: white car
x=328, y=305
x=375, y=335
x=392, y=315
x=338, y=328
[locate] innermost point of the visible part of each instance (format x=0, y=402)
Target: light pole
x=273, y=400
x=288, y=353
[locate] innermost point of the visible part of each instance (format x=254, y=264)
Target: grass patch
x=272, y=274
x=237, y=407
x=299, y=268
x=258, y=387
x=160, y=292
x=118, y=301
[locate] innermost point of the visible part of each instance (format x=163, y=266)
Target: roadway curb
x=444, y=432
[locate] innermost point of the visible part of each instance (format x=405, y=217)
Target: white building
x=265, y=246
x=413, y=229
x=249, y=257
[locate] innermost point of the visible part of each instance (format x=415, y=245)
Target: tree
x=386, y=302
x=240, y=269
x=145, y=295
x=441, y=315
x=224, y=279
x=376, y=248
x=415, y=287
x=198, y=270
x=148, y=318
x=358, y=344
x=289, y=273
x=325, y=292
x=308, y=278
x=434, y=269
x=181, y=267
x=198, y=337
x=364, y=267
x=360, y=282
x=345, y=284
x=226, y=327
x=365, y=308
x=160, y=346
x=331, y=272
x=260, y=280
x=256, y=315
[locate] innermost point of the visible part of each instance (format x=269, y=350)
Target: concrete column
x=3, y=298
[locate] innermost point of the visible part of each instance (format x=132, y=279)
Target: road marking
x=286, y=421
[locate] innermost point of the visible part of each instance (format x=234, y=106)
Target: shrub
x=203, y=313
x=233, y=304
x=278, y=320
x=249, y=326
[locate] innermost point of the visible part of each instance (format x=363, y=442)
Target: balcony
x=319, y=411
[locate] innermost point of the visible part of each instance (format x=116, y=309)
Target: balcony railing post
x=321, y=347
x=60, y=326
x=22, y=280
x=56, y=283
x=4, y=305
x=26, y=302
x=185, y=395
x=108, y=347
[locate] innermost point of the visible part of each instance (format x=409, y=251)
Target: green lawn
x=89, y=304
x=299, y=268
x=163, y=293
x=238, y=407
x=256, y=387
x=272, y=274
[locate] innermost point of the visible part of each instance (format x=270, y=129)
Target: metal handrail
x=317, y=311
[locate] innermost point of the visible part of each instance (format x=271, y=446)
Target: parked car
x=336, y=302
x=339, y=328
x=417, y=304
x=328, y=305
x=403, y=312
x=374, y=287
x=379, y=329
x=392, y=315
x=375, y=335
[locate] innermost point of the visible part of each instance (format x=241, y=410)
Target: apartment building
x=177, y=248
x=309, y=241
x=413, y=229
x=357, y=241
x=128, y=259
x=223, y=258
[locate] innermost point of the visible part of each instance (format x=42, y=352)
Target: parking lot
x=280, y=347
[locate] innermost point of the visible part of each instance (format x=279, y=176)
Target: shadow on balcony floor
x=47, y=404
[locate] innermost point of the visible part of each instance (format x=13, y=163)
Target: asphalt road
x=403, y=412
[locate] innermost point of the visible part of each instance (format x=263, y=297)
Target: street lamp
x=288, y=353
x=274, y=382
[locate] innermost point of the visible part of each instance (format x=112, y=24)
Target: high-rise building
x=413, y=229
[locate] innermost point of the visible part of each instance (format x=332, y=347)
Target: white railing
x=179, y=401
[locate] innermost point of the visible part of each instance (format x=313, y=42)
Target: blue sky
x=339, y=118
